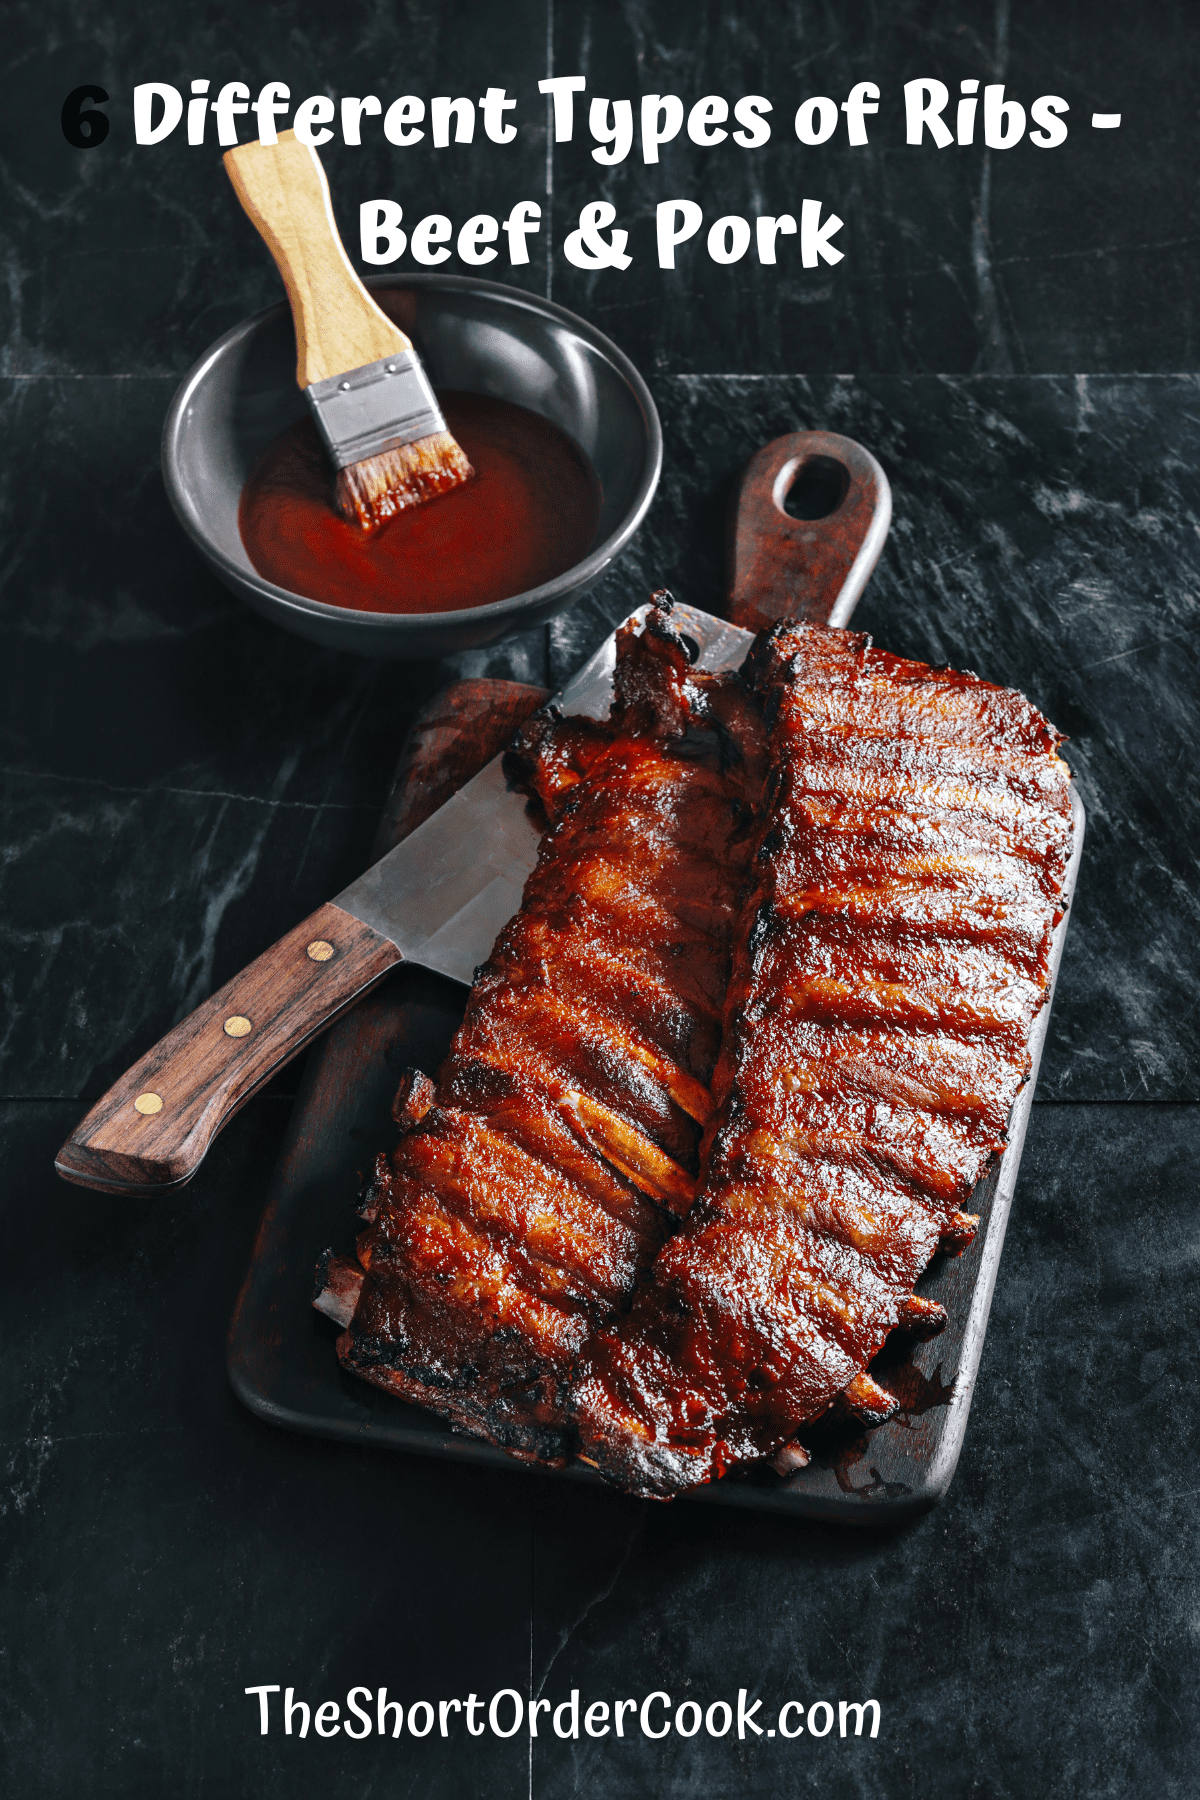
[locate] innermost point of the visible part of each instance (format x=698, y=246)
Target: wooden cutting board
x=811, y=561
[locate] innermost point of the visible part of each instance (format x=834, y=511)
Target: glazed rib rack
x=536, y=1181
x=891, y=958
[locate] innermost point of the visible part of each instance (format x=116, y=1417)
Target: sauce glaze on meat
x=841, y=871
x=533, y=1186
x=890, y=961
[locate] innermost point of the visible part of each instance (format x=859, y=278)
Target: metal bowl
x=475, y=335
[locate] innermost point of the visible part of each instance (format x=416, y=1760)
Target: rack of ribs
x=729, y=1078
x=890, y=959
x=537, y=1178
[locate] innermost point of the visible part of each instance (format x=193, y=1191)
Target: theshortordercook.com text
x=370, y=1711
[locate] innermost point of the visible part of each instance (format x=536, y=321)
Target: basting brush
x=366, y=389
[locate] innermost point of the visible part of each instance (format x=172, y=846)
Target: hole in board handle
x=813, y=490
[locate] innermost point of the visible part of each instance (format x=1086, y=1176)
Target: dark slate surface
x=181, y=783
x=184, y=782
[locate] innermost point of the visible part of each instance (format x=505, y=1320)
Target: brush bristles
x=371, y=492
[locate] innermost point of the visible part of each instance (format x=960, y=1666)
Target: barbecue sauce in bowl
x=529, y=513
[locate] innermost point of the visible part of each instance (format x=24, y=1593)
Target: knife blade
x=439, y=899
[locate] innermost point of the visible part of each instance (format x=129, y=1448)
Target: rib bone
x=339, y=1282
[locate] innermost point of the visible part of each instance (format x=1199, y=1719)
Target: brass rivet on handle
x=320, y=950
x=148, y=1103
x=237, y=1026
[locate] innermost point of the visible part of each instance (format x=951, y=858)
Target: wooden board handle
x=152, y=1128
x=781, y=567
x=283, y=189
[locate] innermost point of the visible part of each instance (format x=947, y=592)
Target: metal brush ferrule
x=376, y=408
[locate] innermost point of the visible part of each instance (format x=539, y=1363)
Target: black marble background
x=1014, y=335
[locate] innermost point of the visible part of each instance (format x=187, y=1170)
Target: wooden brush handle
x=152, y=1128
x=285, y=194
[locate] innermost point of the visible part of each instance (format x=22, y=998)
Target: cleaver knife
x=439, y=899
x=442, y=896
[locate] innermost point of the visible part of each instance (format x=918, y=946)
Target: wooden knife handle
x=152, y=1128
x=283, y=189
x=780, y=567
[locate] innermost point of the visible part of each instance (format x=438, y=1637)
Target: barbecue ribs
x=730, y=1076
x=535, y=1182
x=891, y=957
